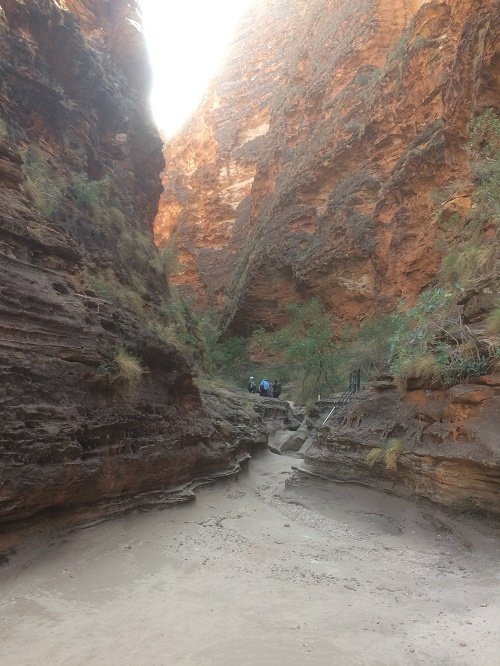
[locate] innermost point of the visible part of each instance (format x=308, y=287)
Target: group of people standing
x=265, y=388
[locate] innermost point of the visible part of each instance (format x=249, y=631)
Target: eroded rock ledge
x=450, y=446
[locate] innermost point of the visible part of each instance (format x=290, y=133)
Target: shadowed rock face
x=80, y=164
x=451, y=452
x=309, y=167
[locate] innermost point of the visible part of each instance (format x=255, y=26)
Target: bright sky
x=187, y=40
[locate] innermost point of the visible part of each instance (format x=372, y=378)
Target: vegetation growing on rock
x=431, y=341
x=387, y=453
x=130, y=369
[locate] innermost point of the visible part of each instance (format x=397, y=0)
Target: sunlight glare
x=187, y=40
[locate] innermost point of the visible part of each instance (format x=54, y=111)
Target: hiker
x=276, y=389
x=252, y=386
x=264, y=387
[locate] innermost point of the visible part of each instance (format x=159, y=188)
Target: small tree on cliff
x=304, y=349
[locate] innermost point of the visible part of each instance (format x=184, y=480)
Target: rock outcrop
x=311, y=165
x=94, y=406
x=445, y=444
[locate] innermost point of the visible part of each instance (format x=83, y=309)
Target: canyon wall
x=306, y=171
x=94, y=405
x=445, y=443
x=311, y=166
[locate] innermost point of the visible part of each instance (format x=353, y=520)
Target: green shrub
x=230, y=357
x=495, y=360
x=165, y=262
x=89, y=194
x=44, y=185
x=431, y=342
x=144, y=245
x=116, y=216
x=107, y=286
x=416, y=329
x=195, y=333
x=484, y=134
x=369, y=348
x=47, y=188
x=303, y=350
x=95, y=198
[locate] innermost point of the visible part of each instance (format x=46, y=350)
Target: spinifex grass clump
x=130, y=369
x=107, y=286
x=472, y=263
x=45, y=186
x=387, y=454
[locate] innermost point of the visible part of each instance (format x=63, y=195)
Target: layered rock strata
x=310, y=168
x=94, y=406
x=447, y=447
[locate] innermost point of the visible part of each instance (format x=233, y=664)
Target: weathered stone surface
x=451, y=450
x=73, y=431
x=247, y=416
x=142, y=467
x=310, y=167
x=490, y=380
x=284, y=441
x=472, y=395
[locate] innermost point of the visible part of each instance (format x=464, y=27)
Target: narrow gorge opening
x=315, y=204
x=276, y=197
x=186, y=44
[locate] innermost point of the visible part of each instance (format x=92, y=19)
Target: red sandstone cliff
x=310, y=166
x=307, y=171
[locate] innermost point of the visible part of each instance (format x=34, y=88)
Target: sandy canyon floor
x=256, y=573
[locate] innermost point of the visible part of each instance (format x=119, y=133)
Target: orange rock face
x=309, y=168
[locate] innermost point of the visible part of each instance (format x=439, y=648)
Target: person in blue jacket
x=264, y=388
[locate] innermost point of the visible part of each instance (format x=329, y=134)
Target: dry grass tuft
x=469, y=264
x=422, y=367
x=374, y=455
x=392, y=452
x=388, y=453
x=130, y=368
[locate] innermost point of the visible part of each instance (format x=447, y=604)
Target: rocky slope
x=94, y=406
x=446, y=443
x=312, y=165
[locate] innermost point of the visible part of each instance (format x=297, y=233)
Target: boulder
x=284, y=441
